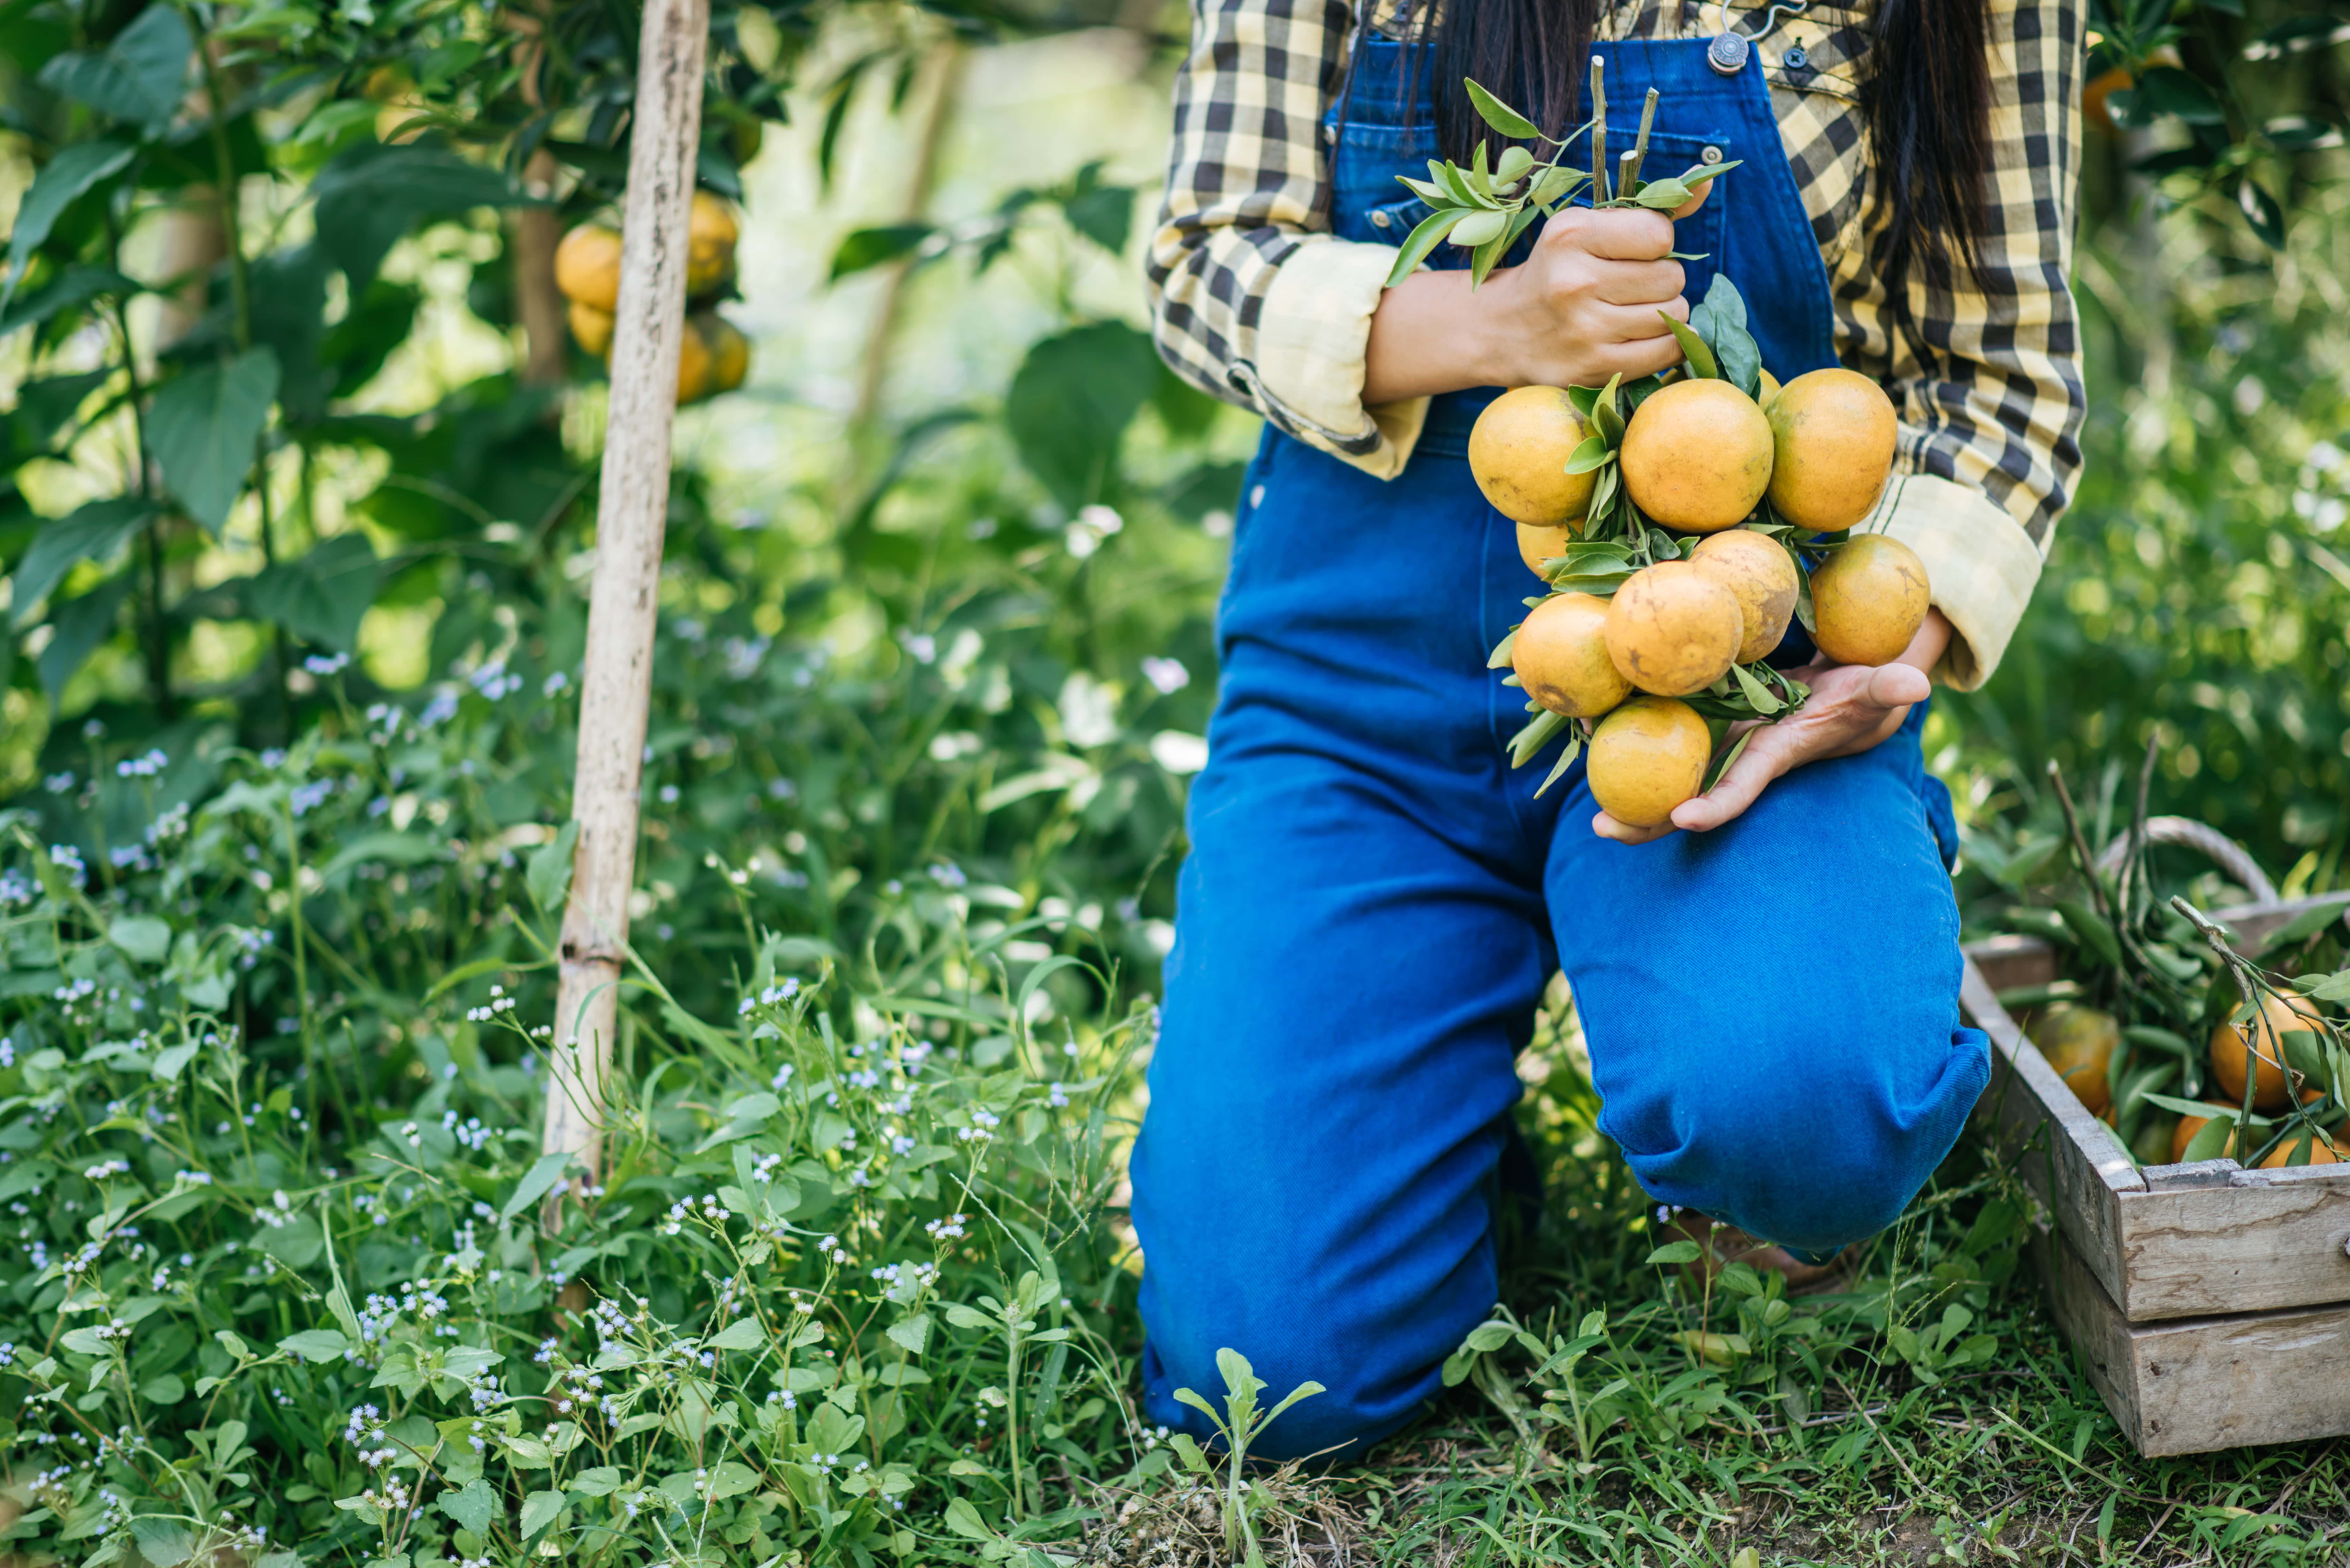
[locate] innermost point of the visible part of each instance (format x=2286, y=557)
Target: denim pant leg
x=1772, y=1008
x=1315, y=1180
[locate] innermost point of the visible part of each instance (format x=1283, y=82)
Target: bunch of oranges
x=713, y=357
x=2080, y=1043
x=1680, y=539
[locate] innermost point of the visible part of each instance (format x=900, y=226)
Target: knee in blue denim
x=1815, y=1148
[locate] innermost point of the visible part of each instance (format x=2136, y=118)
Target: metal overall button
x=1728, y=51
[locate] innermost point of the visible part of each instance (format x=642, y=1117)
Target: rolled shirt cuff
x=1311, y=348
x=1979, y=562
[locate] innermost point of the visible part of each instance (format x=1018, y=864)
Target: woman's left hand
x=1852, y=708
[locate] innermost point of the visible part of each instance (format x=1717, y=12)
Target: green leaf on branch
x=1758, y=696
x=369, y=196
x=74, y=286
x=1590, y=454
x=323, y=597
x=1499, y=115
x=1702, y=362
x=1662, y=195
x=203, y=428
x=471, y=1505
x=139, y=77
x=1071, y=401
x=1424, y=238
x=90, y=532
x=80, y=626
x=873, y=247
x=315, y=1344
x=71, y=174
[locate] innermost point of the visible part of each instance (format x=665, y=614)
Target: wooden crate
x=2209, y=1304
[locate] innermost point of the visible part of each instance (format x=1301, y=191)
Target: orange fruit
x=1869, y=600
x=695, y=366
x=711, y=232
x=591, y=327
x=1832, y=435
x=2184, y=1133
x=1673, y=628
x=1647, y=757
x=1538, y=543
x=1560, y=654
x=1761, y=574
x=730, y=352
x=587, y=266
x=2079, y=1044
x=2235, y=1046
x=1517, y=454
x=1697, y=456
x=2321, y=1151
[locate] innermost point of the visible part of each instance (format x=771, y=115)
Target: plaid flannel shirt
x=1255, y=302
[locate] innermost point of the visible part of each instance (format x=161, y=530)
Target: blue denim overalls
x=1374, y=899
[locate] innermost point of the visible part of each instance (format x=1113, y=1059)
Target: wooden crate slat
x=2070, y=1158
x=2268, y=1239
x=2193, y=1386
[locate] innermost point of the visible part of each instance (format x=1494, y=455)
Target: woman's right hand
x=1583, y=308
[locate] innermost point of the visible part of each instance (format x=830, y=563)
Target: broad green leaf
x=1479, y=227
x=317, y=1345
x=1702, y=362
x=912, y=1332
x=1071, y=401
x=91, y=532
x=742, y=1334
x=145, y=938
x=371, y=195
x=1740, y=356
x=603, y=1480
x=1662, y=195
x=540, y=1509
x=1424, y=238
x=1499, y=115
x=1673, y=1253
x=1758, y=696
x=1590, y=454
x=1722, y=296
x=323, y=597
x=138, y=77
x=2091, y=931
x=63, y=179
x=1487, y=1336
x=73, y=287
x=203, y=428
x=1512, y=165
x=866, y=248
x=543, y=1173
x=731, y=1478
x=471, y=1505
x=80, y=626
x=965, y=1521
x=2210, y=1141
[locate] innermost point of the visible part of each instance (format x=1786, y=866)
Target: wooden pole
x=615, y=686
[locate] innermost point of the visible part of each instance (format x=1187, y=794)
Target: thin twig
x=1599, y=129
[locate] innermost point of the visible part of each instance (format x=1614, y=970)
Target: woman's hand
x=1582, y=308
x=1852, y=708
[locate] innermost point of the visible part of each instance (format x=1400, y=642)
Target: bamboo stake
x=615, y=686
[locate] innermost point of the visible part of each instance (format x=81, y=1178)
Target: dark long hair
x=1924, y=99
